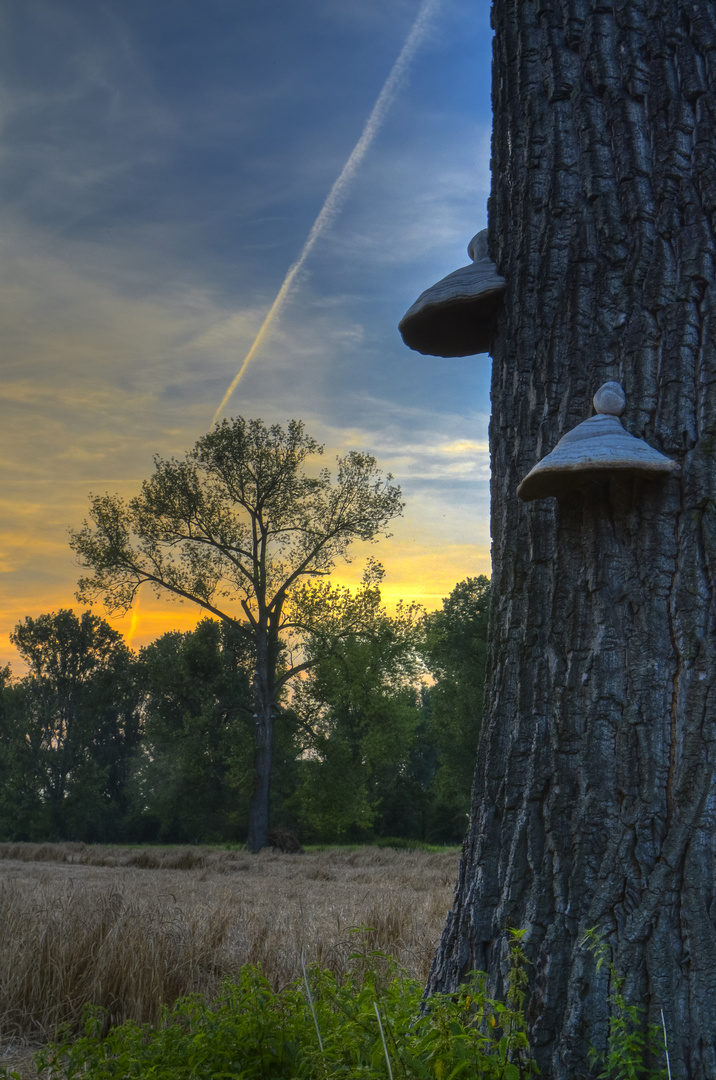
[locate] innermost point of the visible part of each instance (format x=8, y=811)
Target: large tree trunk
x=260, y=796
x=594, y=802
x=263, y=747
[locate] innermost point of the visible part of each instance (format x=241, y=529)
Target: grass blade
x=310, y=1002
x=666, y=1046
x=382, y=1035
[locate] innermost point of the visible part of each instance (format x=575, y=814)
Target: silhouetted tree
x=195, y=763
x=359, y=715
x=75, y=722
x=454, y=647
x=21, y=811
x=237, y=527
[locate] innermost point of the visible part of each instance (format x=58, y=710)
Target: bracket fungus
x=456, y=316
x=596, y=449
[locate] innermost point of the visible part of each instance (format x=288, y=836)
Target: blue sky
x=162, y=165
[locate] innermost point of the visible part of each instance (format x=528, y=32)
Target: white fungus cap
x=595, y=450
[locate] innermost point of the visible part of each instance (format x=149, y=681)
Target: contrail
x=337, y=194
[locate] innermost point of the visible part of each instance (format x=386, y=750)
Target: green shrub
x=372, y=1022
x=321, y=1027
x=633, y=1048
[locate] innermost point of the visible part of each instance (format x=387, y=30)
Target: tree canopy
x=194, y=764
x=161, y=744
x=238, y=519
x=71, y=724
x=454, y=647
x=358, y=711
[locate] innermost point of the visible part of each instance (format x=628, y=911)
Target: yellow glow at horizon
x=424, y=577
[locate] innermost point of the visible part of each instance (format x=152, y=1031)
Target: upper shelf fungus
x=456, y=316
x=595, y=450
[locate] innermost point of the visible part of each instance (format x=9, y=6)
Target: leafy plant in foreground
x=367, y=1025
x=629, y=1045
x=372, y=1022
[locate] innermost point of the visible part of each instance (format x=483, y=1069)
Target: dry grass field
x=133, y=929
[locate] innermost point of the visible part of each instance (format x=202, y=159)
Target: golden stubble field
x=133, y=929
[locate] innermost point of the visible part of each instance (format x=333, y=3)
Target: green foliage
x=332, y=802
x=359, y=713
x=632, y=1045
x=361, y=749
x=454, y=647
x=193, y=777
x=239, y=519
x=321, y=1027
x=70, y=728
x=22, y=815
x=238, y=527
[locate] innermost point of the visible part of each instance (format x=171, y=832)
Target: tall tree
x=77, y=720
x=237, y=527
x=594, y=802
x=358, y=715
x=195, y=761
x=454, y=646
x=21, y=809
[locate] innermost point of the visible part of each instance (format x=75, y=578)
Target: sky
x=162, y=167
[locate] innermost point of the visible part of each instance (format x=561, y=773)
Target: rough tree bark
x=594, y=802
x=264, y=688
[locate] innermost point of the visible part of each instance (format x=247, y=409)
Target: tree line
x=375, y=738
x=296, y=703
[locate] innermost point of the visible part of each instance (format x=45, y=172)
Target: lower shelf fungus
x=596, y=449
